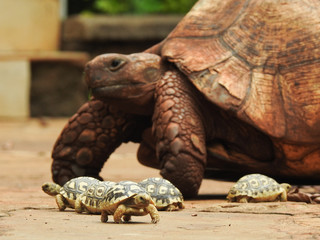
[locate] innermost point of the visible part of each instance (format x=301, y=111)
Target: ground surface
x=27, y=213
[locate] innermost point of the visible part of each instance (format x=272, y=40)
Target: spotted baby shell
x=162, y=192
x=255, y=186
x=76, y=186
x=95, y=194
x=122, y=191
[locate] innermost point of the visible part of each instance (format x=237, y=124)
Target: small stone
x=7, y=145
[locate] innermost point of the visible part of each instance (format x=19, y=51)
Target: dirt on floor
x=27, y=213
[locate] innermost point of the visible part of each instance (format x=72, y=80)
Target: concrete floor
x=27, y=213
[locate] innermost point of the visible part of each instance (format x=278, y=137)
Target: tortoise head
x=286, y=186
x=139, y=200
x=51, y=189
x=127, y=81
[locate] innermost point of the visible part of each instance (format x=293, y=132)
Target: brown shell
x=260, y=59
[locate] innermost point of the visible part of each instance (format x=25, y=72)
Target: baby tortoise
x=258, y=188
x=163, y=193
x=127, y=199
x=90, y=200
x=68, y=193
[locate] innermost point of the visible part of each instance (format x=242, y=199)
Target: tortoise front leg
x=89, y=138
x=61, y=202
x=78, y=206
x=153, y=212
x=104, y=216
x=179, y=133
x=119, y=212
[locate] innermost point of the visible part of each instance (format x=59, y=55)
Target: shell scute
x=163, y=193
x=256, y=188
x=76, y=186
x=122, y=191
x=95, y=195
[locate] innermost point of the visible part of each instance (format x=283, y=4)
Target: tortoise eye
x=116, y=64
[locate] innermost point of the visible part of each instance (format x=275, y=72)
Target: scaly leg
x=78, y=206
x=153, y=212
x=179, y=132
x=104, y=216
x=89, y=138
x=61, y=202
x=117, y=215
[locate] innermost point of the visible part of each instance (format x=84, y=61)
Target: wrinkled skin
x=190, y=129
x=175, y=146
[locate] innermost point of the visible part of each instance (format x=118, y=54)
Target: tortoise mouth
x=134, y=98
x=119, y=90
x=108, y=91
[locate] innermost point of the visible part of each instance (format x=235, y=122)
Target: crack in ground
x=8, y=213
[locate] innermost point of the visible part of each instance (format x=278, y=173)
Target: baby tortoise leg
x=174, y=207
x=126, y=212
x=78, y=206
x=89, y=138
x=243, y=200
x=126, y=218
x=61, y=202
x=179, y=133
x=104, y=216
x=153, y=212
x=120, y=211
x=283, y=196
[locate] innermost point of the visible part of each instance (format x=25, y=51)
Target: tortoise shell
x=163, y=193
x=258, y=59
x=122, y=191
x=76, y=186
x=257, y=188
x=126, y=199
x=95, y=194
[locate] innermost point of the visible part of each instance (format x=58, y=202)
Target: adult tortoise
x=234, y=89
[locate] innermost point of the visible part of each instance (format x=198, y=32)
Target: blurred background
x=45, y=44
